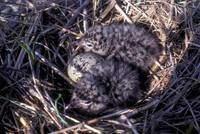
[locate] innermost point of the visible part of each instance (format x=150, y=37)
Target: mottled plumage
x=109, y=82
x=90, y=95
x=127, y=42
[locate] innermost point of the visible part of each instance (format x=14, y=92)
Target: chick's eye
x=90, y=45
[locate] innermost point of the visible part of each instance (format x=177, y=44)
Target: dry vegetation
x=36, y=41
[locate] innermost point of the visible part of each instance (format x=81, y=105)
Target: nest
x=36, y=41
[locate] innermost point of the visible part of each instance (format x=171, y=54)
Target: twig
x=85, y=23
x=171, y=12
x=87, y=126
x=77, y=126
x=108, y=9
x=117, y=7
x=52, y=66
x=159, y=81
x=129, y=112
x=193, y=114
x=145, y=123
x=118, y=123
x=22, y=52
x=131, y=125
x=77, y=12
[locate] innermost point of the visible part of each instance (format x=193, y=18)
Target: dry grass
x=36, y=43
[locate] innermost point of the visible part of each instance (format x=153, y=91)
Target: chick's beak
x=73, y=104
x=78, y=49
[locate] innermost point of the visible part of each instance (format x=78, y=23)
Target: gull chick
x=130, y=43
x=108, y=83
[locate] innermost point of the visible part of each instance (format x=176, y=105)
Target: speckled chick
x=130, y=43
x=109, y=83
x=90, y=95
